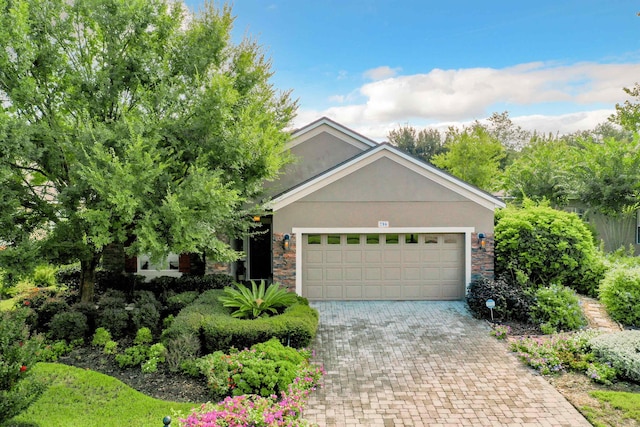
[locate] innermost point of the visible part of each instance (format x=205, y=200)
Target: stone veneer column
x=482, y=259
x=284, y=262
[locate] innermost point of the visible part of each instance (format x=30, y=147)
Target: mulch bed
x=163, y=384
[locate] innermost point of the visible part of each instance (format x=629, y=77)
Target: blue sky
x=555, y=66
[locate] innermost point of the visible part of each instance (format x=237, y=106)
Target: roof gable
x=327, y=125
x=386, y=151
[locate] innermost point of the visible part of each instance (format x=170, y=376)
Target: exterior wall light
x=286, y=242
x=481, y=241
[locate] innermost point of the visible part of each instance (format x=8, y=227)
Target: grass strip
x=85, y=398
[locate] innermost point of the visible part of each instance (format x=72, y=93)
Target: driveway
x=424, y=363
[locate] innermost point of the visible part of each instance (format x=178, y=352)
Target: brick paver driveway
x=424, y=364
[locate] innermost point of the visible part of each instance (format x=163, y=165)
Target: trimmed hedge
x=296, y=327
x=207, y=319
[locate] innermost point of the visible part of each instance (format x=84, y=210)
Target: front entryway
x=383, y=266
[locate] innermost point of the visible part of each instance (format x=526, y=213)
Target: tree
x=542, y=171
x=130, y=121
x=512, y=137
x=424, y=144
x=628, y=114
x=474, y=156
x=607, y=176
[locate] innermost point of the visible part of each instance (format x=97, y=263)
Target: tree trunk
x=88, y=278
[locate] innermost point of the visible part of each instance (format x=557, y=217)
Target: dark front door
x=259, y=254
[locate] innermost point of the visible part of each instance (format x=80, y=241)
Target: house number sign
x=383, y=224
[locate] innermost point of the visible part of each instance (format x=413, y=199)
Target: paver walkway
x=424, y=363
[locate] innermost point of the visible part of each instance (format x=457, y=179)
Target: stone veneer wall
x=284, y=262
x=482, y=260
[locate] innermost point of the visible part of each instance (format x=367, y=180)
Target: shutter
x=184, y=263
x=131, y=264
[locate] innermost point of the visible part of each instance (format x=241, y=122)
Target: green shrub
x=52, y=351
x=142, y=354
x=19, y=352
x=179, y=301
x=48, y=310
x=44, y=275
x=143, y=336
x=112, y=314
x=296, y=327
x=180, y=350
x=512, y=301
x=266, y=369
x=257, y=301
x=146, y=315
x=190, y=319
x=621, y=350
x=68, y=326
x=548, y=246
x=101, y=337
x=89, y=310
x=115, y=320
x=188, y=282
x=69, y=276
x=557, y=308
x=620, y=294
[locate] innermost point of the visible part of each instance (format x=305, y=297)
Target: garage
x=383, y=266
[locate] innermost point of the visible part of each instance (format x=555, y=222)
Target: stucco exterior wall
x=312, y=157
x=398, y=214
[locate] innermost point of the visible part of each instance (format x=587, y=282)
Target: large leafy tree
x=424, y=144
x=607, y=176
x=473, y=155
x=543, y=170
x=627, y=114
x=133, y=122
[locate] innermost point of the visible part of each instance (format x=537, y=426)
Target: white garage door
x=383, y=266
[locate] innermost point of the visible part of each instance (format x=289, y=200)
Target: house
x=353, y=219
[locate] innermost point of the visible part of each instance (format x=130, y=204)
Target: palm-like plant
x=257, y=301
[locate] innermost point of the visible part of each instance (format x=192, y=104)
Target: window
x=391, y=239
x=430, y=239
x=171, y=263
x=373, y=239
x=410, y=238
x=353, y=239
x=313, y=239
x=333, y=239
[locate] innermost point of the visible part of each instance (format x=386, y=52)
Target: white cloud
x=381, y=73
x=547, y=97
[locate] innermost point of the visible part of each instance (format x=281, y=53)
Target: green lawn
x=617, y=408
x=83, y=398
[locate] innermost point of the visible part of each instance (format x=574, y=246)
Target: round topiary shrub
x=48, y=310
x=547, y=246
x=620, y=294
x=557, y=308
x=512, y=302
x=68, y=326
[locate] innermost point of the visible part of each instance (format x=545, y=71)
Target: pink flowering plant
x=248, y=376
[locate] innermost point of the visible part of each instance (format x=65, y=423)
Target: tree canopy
x=133, y=122
x=473, y=155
